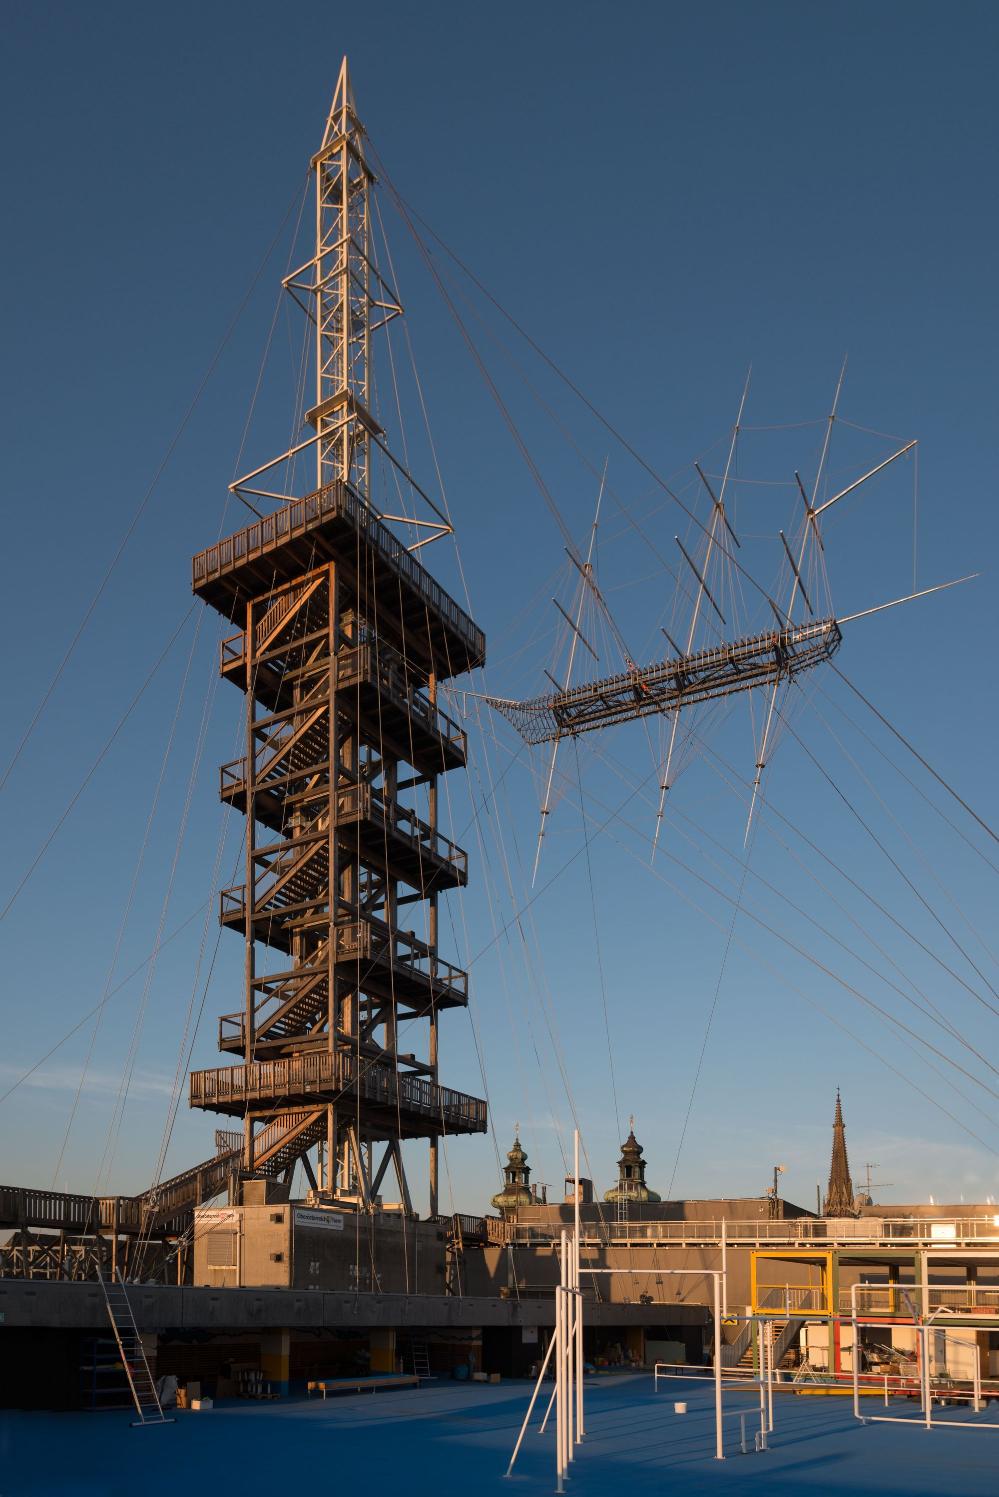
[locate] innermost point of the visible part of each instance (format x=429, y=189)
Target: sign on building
x=331, y=1221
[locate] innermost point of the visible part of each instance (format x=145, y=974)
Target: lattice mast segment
x=340, y=292
x=345, y=638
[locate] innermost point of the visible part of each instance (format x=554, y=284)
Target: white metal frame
x=567, y=1343
x=929, y=1324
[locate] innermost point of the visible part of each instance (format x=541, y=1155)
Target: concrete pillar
x=382, y=1346
x=275, y=1359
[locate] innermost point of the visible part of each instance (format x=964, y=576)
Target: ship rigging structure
x=732, y=665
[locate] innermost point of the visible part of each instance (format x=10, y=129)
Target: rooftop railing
x=791, y=1232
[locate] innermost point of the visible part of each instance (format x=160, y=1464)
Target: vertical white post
x=719, y=1446
x=770, y=1374
x=578, y=1304
x=724, y=1268
x=856, y=1355
x=566, y=1322
x=927, y=1393
x=570, y=1398
x=560, y=1374
x=761, y=1372
x=978, y=1377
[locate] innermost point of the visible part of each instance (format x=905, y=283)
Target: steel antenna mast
x=795, y=581
x=576, y=636
x=346, y=299
x=718, y=512
x=341, y=296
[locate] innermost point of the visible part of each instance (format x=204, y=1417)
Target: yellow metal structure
x=782, y=1296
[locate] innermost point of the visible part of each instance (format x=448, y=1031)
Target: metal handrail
x=336, y=499
x=365, y=803
x=787, y=1232
x=325, y=1070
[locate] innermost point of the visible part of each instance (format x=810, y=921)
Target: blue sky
x=662, y=195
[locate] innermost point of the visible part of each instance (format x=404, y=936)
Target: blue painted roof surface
x=448, y=1437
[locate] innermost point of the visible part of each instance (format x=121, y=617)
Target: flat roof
x=458, y=1436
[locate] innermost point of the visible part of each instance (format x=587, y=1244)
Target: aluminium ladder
x=419, y=1358
x=132, y=1352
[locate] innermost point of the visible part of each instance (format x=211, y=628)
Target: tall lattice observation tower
x=343, y=640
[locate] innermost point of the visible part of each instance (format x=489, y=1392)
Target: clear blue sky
x=662, y=194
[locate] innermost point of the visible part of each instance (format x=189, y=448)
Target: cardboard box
x=201, y=1404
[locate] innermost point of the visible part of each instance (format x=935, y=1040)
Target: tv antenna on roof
x=869, y=1184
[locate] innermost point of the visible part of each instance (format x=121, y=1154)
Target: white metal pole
x=551, y=1400
x=580, y=1427
x=761, y=1375
x=856, y=1355
x=724, y=1266
x=560, y=1402
x=530, y=1406
x=570, y=1398
x=927, y=1393
x=770, y=1374
x=559, y=1374
x=978, y=1377
x=719, y=1444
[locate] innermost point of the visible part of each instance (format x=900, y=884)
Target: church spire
x=839, y=1195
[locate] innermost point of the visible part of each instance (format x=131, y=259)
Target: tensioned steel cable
x=27, y=1074
x=935, y=1017
x=721, y=767
x=900, y=871
x=596, y=940
x=408, y=214
x=909, y=781
x=130, y=899
x=781, y=977
x=836, y=977
x=917, y=755
x=143, y=503
x=97, y=763
x=905, y=835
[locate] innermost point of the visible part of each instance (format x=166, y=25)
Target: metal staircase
x=132, y=1352
x=784, y=1333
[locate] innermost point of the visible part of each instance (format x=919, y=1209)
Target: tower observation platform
x=343, y=638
